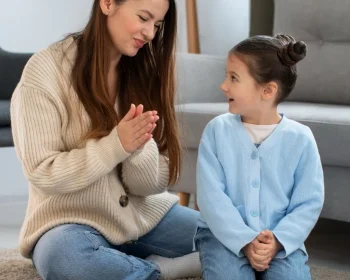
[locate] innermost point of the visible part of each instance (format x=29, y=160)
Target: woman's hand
x=139, y=111
x=135, y=129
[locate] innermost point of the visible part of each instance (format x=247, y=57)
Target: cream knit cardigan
x=72, y=181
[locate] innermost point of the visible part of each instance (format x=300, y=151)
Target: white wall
x=34, y=24
x=181, y=26
x=222, y=24
x=31, y=25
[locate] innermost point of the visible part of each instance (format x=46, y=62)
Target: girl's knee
x=293, y=267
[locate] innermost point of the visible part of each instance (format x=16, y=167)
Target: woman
x=98, y=166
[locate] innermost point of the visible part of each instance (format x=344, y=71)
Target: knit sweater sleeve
x=306, y=200
x=217, y=209
x=146, y=171
x=47, y=163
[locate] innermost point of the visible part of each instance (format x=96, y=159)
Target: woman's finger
x=142, y=140
x=142, y=131
x=130, y=114
x=139, y=110
x=136, y=121
x=145, y=122
x=153, y=128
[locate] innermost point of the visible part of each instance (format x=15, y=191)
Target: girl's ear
x=270, y=90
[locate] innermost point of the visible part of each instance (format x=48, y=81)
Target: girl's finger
x=263, y=239
x=259, y=246
x=264, y=252
x=259, y=267
x=260, y=259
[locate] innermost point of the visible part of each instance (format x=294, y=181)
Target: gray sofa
x=11, y=67
x=320, y=100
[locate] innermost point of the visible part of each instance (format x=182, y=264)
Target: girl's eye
x=233, y=78
x=142, y=18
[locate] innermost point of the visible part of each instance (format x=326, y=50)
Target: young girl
x=259, y=176
x=98, y=167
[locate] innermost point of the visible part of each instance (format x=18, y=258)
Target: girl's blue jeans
x=219, y=263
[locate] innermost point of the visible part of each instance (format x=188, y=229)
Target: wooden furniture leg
x=184, y=198
x=193, y=47
x=192, y=27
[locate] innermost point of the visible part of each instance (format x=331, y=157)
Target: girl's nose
x=223, y=87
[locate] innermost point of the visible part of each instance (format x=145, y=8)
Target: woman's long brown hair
x=147, y=78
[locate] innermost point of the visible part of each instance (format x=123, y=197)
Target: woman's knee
x=184, y=216
x=63, y=248
x=173, y=236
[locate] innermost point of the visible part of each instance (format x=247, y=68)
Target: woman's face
x=133, y=23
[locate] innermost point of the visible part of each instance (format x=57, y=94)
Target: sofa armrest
x=6, y=139
x=11, y=67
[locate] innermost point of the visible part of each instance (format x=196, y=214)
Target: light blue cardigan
x=242, y=189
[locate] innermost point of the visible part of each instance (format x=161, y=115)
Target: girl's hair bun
x=291, y=51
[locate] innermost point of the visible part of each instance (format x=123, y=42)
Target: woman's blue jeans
x=76, y=252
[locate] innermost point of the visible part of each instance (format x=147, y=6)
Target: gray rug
x=14, y=267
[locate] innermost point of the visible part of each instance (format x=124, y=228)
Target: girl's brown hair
x=147, y=78
x=272, y=59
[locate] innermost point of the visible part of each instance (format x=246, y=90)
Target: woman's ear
x=105, y=6
x=270, y=90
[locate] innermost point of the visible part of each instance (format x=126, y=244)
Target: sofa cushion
x=4, y=113
x=324, y=26
x=330, y=125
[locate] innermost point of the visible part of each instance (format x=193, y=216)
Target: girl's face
x=242, y=91
x=133, y=23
